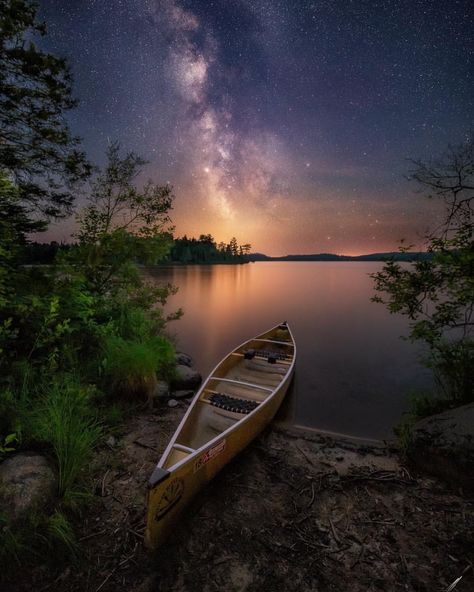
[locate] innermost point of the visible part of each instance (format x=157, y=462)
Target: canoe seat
x=232, y=403
x=271, y=356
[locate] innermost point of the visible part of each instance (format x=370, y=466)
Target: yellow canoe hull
x=176, y=487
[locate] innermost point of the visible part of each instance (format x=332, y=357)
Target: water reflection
x=353, y=370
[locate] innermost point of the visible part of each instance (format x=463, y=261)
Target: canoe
x=238, y=399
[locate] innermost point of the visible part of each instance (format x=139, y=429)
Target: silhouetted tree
x=437, y=294
x=37, y=149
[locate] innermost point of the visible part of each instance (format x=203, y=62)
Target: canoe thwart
x=158, y=476
x=184, y=448
x=242, y=383
x=278, y=342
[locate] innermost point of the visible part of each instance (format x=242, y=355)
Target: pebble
x=173, y=403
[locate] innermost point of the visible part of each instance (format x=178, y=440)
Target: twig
x=306, y=456
x=106, y=579
x=103, y=483
x=134, y=532
x=336, y=538
x=338, y=550
x=93, y=534
x=282, y=480
x=457, y=580
x=386, y=522
x=312, y=496
x=138, y=443
x=127, y=559
x=404, y=562
x=385, y=476
x=361, y=552
x=312, y=544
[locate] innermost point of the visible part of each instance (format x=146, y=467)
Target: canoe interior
x=239, y=384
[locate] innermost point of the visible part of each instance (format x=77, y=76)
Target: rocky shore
x=296, y=511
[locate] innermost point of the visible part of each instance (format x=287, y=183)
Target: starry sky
x=287, y=123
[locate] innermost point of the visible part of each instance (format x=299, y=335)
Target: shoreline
x=302, y=430
x=321, y=511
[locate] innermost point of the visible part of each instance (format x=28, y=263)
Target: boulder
x=186, y=378
x=184, y=359
x=27, y=484
x=162, y=390
x=443, y=445
x=184, y=394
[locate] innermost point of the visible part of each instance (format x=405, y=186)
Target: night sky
x=284, y=123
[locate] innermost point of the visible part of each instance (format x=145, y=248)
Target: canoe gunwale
x=238, y=424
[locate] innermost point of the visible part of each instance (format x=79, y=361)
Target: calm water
x=353, y=371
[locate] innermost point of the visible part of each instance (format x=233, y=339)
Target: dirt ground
x=296, y=511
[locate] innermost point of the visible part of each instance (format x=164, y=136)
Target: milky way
x=286, y=124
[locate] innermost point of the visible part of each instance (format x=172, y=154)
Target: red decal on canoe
x=209, y=455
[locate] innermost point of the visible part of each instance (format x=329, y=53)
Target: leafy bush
x=420, y=404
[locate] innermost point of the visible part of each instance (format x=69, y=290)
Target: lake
x=353, y=371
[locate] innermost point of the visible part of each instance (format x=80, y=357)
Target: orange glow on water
x=352, y=366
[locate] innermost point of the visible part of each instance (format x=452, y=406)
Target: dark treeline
x=183, y=250
x=206, y=250
x=43, y=253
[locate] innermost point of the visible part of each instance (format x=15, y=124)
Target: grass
x=131, y=366
x=65, y=423
x=60, y=535
x=11, y=545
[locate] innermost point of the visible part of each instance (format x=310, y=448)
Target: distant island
x=396, y=256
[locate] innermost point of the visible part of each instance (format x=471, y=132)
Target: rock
x=162, y=390
x=443, y=445
x=111, y=441
x=184, y=359
x=186, y=378
x=27, y=484
x=184, y=394
x=173, y=403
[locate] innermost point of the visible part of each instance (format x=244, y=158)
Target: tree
x=37, y=148
x=246, y=248
x=233, y=247
x=122, y=223
x=437, y=294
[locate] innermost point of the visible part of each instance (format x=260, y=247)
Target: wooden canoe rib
x=238, y=399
